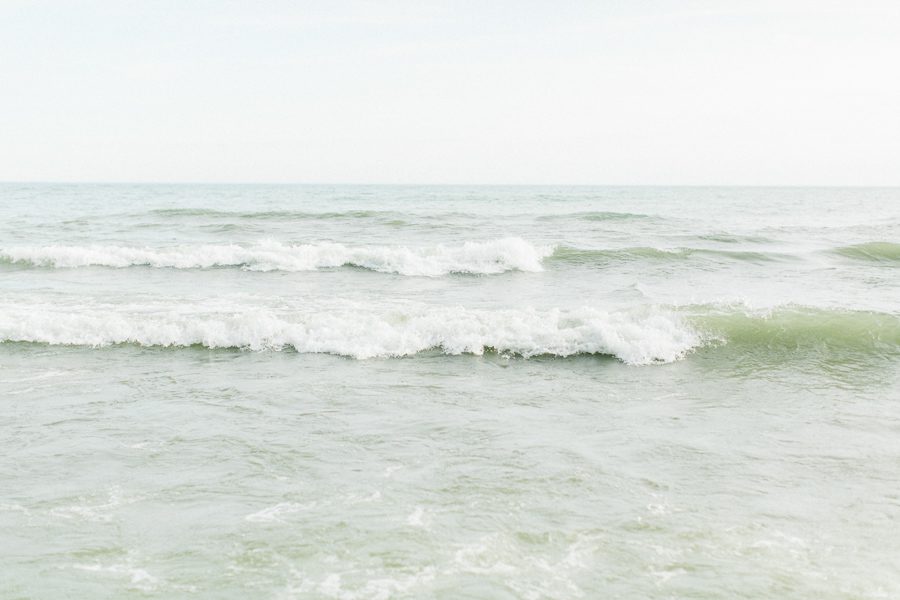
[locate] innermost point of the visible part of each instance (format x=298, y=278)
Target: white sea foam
x=635, y=337
x=486, y=257
x=273, y=514
x=100, y=512
x=549, y=574
x=332, y=585
x=417, y=518
x=139, y=578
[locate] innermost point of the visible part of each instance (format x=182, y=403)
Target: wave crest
x=480, y=258
x=634, y=337
x=638, y=336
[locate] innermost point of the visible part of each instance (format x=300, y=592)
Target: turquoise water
x=414, y=392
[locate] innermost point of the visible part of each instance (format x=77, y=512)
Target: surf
x=641, y=335
x=473, y=257
x=636, y=337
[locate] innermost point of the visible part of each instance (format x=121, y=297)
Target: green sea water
x=449, y=392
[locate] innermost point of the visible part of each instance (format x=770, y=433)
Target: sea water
x=452, y=392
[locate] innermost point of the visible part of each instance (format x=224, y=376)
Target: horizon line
x=432, y=184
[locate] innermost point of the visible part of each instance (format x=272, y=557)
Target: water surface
x=487, y=392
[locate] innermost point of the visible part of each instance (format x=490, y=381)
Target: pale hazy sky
x=619, y=92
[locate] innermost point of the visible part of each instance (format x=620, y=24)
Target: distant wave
x=483, y=258
x=473, y=257
x=888, y=252
x=641, y=336
x=594, y=216
x=266, y=214
x=382, y=216
x=373, y=214
x=872, y=251
x=636, y=338
x=586, y=256
x=731, y=238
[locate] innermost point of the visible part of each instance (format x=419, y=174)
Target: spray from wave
x=480, y=258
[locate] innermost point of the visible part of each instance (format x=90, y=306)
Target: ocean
x=372, y=392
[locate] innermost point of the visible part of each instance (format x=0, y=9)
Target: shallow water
x=379, y=392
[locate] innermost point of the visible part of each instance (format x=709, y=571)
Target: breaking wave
x=640, y=336
x=473, y=257
x=634, y=337
x=480, y=258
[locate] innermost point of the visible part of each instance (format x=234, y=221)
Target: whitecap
x=473, y=257
x=636, y=337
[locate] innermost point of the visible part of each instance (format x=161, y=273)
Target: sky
x=651, y=92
